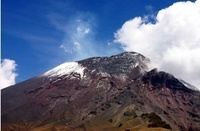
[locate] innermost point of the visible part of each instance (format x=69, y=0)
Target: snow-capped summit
x=65, y=69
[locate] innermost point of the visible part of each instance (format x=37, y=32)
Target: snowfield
x=66, y=68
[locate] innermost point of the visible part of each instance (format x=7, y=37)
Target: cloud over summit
x=172, y=41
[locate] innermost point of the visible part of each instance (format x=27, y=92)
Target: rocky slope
x=101, y=94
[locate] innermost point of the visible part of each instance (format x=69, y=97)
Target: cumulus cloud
x=7, y=73
x=172, y=41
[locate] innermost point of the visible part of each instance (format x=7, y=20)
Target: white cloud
x=7, y=73
x=64, y=47
x=172, y=41
x=79, y=40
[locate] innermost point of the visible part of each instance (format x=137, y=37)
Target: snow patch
x=136, y=64
x=189, y=85
x=104, y=74
x=66, y=68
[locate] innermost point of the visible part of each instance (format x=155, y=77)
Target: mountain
x=115, y=93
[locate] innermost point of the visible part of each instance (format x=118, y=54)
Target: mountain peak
x=121, y=63
x=115, y=93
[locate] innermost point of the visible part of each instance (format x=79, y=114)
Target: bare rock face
x=101, y=93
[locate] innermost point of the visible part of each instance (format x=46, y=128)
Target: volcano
x=116, y=93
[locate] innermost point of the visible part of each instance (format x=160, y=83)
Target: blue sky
x=41, y=34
